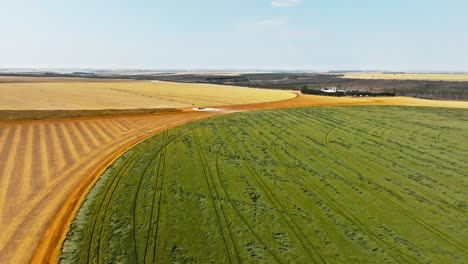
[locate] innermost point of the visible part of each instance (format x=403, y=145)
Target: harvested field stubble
x=42, y=162
x=127, y=95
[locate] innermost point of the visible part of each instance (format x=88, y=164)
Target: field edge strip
x=51, y=243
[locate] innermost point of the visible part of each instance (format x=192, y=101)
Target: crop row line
x=108, y=194
x=161, y=175
x=433, y=230
x=136, y=199
x=212, y=195
x=224, y=188
x=275, y=202
x=332, y=203
x=358, y=145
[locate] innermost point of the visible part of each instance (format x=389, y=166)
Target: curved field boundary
x=54, y=235
x=104, y=206
x=159, y=179
x=52, y=161
x=339, y=201
x=300, y=101
x=50, y=245
x=160, y=161
x=39, y=179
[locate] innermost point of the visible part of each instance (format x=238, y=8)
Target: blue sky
x=398, y=35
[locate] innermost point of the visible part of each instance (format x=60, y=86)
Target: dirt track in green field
x=365, y=184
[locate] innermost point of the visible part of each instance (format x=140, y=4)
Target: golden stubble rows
x=41, y=162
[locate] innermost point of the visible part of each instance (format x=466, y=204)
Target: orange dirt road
x=48, y=166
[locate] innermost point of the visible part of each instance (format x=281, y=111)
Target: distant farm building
x=329, y=89
x=333, y=89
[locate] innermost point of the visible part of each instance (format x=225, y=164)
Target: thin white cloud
x=303, y=32
x=285, y=3
x=263, y=24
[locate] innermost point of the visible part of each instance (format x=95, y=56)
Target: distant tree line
x=312, y=91
x=296, y=81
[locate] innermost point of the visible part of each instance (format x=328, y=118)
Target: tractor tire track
x=129, y=165
x=108, y=196
x=135, y=201
x=205, y=165
x=332, y=203
x=159, y=175
x=326, y=141
x=251, y=229
x=413, y=169
x=433, y=230
x=423, y=191
x=275, y=202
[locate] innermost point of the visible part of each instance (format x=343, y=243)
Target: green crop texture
x=366, y=184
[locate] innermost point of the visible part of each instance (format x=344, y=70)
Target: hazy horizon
x=263, y=35
x=91, y=69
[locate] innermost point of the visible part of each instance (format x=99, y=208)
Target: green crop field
x=367, y=184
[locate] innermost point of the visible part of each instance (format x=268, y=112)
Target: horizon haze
x=420, y=36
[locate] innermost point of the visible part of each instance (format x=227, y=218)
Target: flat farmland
x=43, y=162
x=312, y=100
x=127, y=95
x=355, y=184
x=47, y=166
x=454, y=77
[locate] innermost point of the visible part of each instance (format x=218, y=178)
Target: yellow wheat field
x=456, y=77
x=127, y=95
